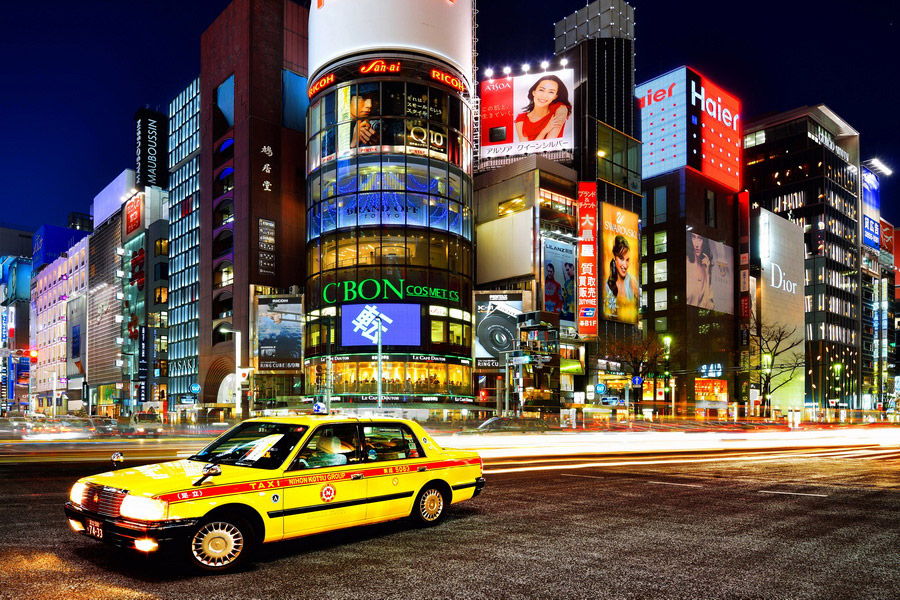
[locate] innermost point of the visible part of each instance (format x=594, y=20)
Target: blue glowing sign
x=663, y=104
x=400, y=324
x=871, y=232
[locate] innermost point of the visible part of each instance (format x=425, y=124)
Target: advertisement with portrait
x=279, y=332
x=558, y=276
x=709, y=274
x=495, y=327
x=620, y=230
x=528, y=113
x=400, y=324
x=437, y=28
x=76, y=328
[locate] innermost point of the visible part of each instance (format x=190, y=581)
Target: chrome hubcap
x=432, y=505
x=217, y=544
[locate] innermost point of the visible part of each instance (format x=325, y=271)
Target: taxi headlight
x=77, y=493
x=143, y=509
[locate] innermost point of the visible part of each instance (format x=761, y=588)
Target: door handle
x=356, y=476
x=422, y=468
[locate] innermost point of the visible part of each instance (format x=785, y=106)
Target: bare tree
x=639, y=356
x=781, y=352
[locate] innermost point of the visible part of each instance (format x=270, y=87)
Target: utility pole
x=378, y=318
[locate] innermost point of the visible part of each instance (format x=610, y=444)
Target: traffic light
x=483, y=395
x=32, y=356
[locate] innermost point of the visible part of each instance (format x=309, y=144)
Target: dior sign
x=780, y=281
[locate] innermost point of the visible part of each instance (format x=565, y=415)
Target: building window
x=162, y=247
x=161, y=271
x=659, y=204
x=710, y=208
x=661, y=299
x=161, y=295
x=660, y=271
x=660, y=242
x=511, y=206
x=661, y=324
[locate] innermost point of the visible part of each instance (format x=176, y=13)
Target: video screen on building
x=663, y=123
x=279, y=332
x=400, y=324
x=709, y=274
x=558, y=268
x=620, y=285
x=527, y=114
x=495, y=326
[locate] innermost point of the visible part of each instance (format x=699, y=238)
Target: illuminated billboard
x=400, y=324
x=437, y=28
x=527, y=114
x=887, y=237
x=587, y=258
x=709, y=268
x=620, y=230
x=558, y=268
x=871, y=205
x=495, y=326
x=688, y=121
x=279, y=332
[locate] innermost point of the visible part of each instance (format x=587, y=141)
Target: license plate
x=94, y=528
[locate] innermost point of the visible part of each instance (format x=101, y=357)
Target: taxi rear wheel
x=221, y=544
x=430, y=506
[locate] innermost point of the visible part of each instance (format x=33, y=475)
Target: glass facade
x=389, y=232
x=184, y=239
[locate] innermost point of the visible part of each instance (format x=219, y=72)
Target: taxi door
x=395, y=469
x=325, y=488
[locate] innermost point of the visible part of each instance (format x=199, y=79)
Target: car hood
x=163, y=478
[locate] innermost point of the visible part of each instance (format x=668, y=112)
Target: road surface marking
x=793, y=493
x=681, y=484
x=585, y=476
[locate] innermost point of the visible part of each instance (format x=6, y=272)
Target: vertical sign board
x=151, y=149
x=887, y=237
x=871, y=206
x=620, y=239
x=587, y=258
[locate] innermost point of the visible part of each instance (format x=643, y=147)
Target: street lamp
x=837, y=367
x=379, y=393
x=228, y=328
x=767, y=370
x=668, y=343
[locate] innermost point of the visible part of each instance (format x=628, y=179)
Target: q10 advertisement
x=400, y=324
x=527, y=114
x=620, y=263
x=688, y=121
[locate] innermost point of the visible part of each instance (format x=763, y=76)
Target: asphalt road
x=792, y=524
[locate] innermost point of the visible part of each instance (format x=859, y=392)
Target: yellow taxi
x=271, y=479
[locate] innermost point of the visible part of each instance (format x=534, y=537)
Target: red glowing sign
x=720, y=130
x=319, y=85
x=587, y=258
x=448, y=79
x=887, y=237
x=379, y=65
x=133, y=215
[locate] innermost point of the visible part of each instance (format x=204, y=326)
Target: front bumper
x=123, y=532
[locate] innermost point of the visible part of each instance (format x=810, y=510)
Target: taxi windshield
x=258, y=445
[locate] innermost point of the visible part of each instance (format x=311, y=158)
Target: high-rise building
x=691, y=163
x=252, y=164
x=389, y=217
x=184, y=247
x=15, y=301
x=804, y=166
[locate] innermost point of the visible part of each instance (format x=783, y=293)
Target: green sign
x=382, y=289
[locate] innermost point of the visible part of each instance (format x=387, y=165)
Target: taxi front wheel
x=221, y=544
x=430, y=505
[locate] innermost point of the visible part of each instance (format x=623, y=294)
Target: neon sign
x=382, y=289
x=322, y=83
x=379, y=65
x=448, y=79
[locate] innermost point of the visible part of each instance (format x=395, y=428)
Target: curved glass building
x=389, y=231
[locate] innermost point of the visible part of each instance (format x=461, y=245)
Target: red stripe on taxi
x=314, y=478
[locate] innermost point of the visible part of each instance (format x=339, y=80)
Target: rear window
x=390, y=442
x=147, y=418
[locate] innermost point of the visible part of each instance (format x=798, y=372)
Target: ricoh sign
x=688, y=121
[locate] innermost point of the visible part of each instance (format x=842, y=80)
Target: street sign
x=637, y=380
x=195, y=388
x=601, y=388
x=520, y=360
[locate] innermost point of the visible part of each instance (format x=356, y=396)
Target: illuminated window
x=660, y=271
x=511, y=206
x=660, y=242
x=661, y=299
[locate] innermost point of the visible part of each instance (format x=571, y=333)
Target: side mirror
x=117, y=458
x=210, y=470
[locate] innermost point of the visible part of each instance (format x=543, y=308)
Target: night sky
x=74, y=73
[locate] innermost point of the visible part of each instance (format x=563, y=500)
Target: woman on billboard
x=622, y=287
x=547, y=111
x=699, y=272
x=552, y=290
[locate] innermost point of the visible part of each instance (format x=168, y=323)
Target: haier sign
x=688, y=121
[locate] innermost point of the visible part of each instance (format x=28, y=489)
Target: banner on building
x=587, y=274
x=621, y=260
x=558, y=267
